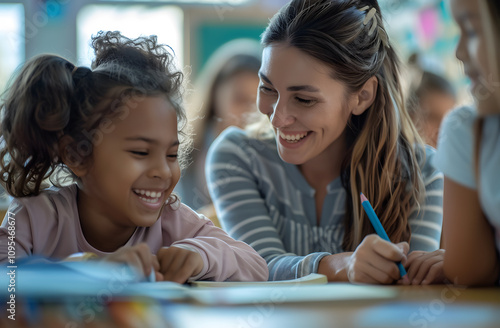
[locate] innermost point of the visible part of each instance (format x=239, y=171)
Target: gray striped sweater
x=267, y=203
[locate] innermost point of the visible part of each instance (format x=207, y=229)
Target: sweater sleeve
x=426, y=220
x=241, y=205
x=224, y=258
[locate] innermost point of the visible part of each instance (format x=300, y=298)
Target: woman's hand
x=179, y=264
x=425, y=268
x=374, y=261
x=138, y=256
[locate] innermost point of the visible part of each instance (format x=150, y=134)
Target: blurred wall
x=50, y=26
x=423, y=26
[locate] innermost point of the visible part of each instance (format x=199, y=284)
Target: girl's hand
x=425, y=267
x=374, y=261
x=179, y=264
x=138, y=256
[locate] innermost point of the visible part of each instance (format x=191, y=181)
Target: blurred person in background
x=224, y=95
x=431, y=97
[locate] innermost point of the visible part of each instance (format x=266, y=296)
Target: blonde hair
x=384, y=148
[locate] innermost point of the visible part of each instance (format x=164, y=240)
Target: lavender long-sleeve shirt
x=49, y=225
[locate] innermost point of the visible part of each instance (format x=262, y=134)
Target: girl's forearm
x=469, y=269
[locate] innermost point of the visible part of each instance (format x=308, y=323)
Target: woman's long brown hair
x=384, y=148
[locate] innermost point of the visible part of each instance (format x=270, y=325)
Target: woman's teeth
x=293, y=137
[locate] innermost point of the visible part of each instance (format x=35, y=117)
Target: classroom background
x=195, y=29
x=422, y=30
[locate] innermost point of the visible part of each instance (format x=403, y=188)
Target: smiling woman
x=329, y=84
x=117, y=131
x=305, y=105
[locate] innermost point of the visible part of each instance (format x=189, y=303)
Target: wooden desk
x=415, y=306
x=412, y=306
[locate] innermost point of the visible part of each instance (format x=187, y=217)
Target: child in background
x=469, y=152
x=429, y=100
x=116, y=132
x=225, y=95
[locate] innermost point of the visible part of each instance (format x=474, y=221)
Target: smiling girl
x=329, y=85
x=469, y=153
x=116, y=132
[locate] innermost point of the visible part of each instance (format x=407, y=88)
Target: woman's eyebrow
x=309, y=88
x=265, y=78
x=306, y=87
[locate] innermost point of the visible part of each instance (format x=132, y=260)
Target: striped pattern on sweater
x=267, y=203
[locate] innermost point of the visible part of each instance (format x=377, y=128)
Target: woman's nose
x=281, y=116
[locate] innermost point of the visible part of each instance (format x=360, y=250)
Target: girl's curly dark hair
x=51, y=98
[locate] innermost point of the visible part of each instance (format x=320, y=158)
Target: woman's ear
x=70, y=157
x=366, y=96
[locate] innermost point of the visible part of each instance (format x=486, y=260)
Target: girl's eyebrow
x=150, y=141
x=306, y=87
x=468, y=16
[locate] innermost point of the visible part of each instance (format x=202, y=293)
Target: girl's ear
x=70, y=157
x=366, y=96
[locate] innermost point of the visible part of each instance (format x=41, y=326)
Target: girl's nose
x=161, y=169
x=461, y=50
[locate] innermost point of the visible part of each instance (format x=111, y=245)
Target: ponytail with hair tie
x=80, y=73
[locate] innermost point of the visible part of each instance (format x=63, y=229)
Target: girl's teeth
x=149, y=200
x=147, y=193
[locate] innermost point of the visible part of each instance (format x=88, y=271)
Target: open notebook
x=94, y=279
x=311, y=288
x=311, y=279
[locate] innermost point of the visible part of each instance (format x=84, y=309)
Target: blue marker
x=378, y=227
